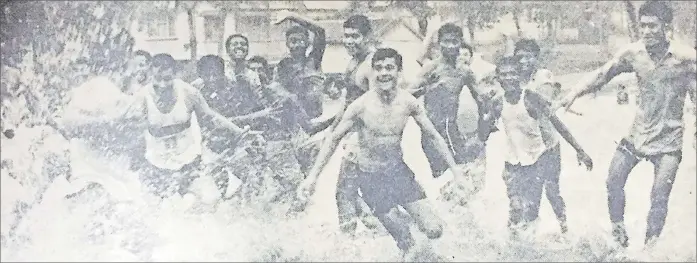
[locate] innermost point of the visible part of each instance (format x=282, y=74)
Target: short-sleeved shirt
x=658, y=127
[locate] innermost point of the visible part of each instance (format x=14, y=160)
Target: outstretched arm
x=347, y=122
x=598, y=78
x=209, y=117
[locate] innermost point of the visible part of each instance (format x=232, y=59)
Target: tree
x=480, y=14
x=419, y=9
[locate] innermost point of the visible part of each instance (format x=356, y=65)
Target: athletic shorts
x=389, y=187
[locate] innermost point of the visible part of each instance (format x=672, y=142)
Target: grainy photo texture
x=348, y=131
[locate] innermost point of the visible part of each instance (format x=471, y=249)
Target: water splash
x=92, y=227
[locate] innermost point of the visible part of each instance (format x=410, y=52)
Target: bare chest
x=385, y=119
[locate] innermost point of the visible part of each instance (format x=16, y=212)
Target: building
x=166, y=28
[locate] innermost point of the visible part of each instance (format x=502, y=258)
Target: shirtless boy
x=379, y=117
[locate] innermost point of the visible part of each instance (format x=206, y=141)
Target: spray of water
x=94, y=227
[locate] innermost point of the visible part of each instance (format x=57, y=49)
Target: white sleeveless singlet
x=527, y=137
x=176, y=150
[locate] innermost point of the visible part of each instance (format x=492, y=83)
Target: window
x=162, y=27
x=212, y=28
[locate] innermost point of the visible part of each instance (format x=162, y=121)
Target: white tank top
x=528, y=138
x=176, y=150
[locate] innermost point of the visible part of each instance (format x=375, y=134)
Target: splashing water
x=91, y=227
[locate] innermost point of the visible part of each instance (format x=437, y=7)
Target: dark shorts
x=627, y=147
x=524, y=183
x=165, y=182
x=388, y=188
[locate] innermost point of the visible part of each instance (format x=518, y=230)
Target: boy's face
x=239, y=48
x=259, y=69
x=509, y=78
x=297, y=44
x=163, y=77
x=386, y=74
x=652, y=30
x=353, y=40
x=450, y=44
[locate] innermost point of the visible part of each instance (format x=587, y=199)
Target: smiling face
x=238, y=48
x=386, y=73
x=354, y=41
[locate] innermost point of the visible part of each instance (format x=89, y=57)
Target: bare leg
x=622, y=164
x=665, y=169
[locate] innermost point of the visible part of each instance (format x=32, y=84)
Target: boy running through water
x=533, y=159
x=442, y=83
x=166, y=106
x=666, y=73
x=379, y=117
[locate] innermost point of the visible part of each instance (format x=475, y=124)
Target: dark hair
x=297, y=30
x=468, y=47
x=450, y=28
x=507, y=61
x=210, y=63
x=144, y=53
x=359, y=22
x=259, y=59
x=164, y=61
x=659, y=9
x=383, y=53
x=528, y=45
x=229, y=40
